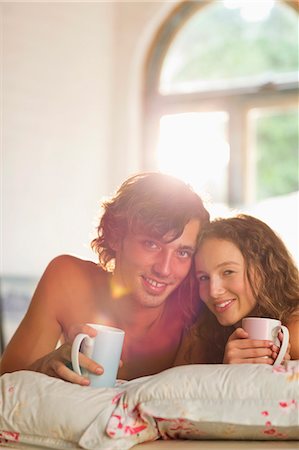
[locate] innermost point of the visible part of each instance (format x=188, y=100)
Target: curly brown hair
x=274, y=279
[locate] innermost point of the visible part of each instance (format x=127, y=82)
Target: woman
x=243, y=269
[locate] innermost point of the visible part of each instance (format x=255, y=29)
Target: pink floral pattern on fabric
x=290, y=369
x=285, y=406
x=127, y=426
x=244, y=402
x=117, y=423
x=289, y=405
x=176, y=428
x=9, y=436
x=168, y=410
x=125, y=422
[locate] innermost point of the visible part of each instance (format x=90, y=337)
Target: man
x=143, y=284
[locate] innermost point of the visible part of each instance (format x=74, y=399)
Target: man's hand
x=57, y=363
x=80, y=328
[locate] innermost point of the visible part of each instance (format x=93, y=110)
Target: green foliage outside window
x=217, y=43
x=277, y=155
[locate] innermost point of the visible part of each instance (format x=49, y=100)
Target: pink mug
x=266, y=328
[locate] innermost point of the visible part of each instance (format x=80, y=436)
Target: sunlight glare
x=193, y=147
x=253, y=10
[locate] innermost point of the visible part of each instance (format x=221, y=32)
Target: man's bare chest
x=148, y=355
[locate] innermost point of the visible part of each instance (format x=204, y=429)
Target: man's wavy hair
x=152, y=203
x=271, y=271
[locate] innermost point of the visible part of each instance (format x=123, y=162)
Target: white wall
x=71, y=120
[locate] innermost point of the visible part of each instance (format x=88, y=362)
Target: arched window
x=221, y=99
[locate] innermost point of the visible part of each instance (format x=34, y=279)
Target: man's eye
x=150, y=244
x=184, y=254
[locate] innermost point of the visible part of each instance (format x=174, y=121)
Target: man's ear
x=114, y=244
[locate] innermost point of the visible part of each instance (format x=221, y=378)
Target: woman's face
x=223, y=283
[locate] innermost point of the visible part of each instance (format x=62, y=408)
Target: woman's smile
x=223, y=282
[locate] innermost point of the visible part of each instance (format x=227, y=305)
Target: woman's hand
x=275, y=350
x=241, y=350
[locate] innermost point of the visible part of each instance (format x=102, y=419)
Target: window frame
x=281, y=92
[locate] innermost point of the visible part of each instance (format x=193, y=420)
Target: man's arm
x=39, y=331
x=33, y=345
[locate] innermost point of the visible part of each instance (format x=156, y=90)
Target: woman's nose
x=216, y=287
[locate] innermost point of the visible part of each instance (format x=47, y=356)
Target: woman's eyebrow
x=222, y=264
x=225, y=263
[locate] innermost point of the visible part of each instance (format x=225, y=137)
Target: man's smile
x=153, y=286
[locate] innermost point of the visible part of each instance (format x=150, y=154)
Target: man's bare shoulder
x=69, y=280
x=70, y=263
x=70, y=271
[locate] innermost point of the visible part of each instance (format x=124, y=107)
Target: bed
x=197, y=445
x=246, y=406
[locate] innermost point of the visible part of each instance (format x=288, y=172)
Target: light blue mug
x=105, y=348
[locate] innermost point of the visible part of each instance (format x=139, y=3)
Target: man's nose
x=216, y=287
x=163, y=264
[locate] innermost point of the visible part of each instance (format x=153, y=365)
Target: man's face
x=149, y=269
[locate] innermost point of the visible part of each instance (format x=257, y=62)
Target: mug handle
x=76, y=348
x=284, y=346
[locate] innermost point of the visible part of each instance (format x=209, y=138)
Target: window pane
x=276, y=147
x=193, y=147
x=232, y=41
x=15, y=295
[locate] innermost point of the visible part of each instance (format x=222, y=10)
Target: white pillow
x=194, y=402
x=246, y=401
x=45, y=411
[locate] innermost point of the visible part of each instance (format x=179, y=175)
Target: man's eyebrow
x=146, y=235
x=191, y=248
x=188, y=247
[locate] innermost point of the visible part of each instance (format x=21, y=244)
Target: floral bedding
x=246, y=401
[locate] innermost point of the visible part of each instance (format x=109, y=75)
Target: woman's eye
x=228, y=272
x=202, y=277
